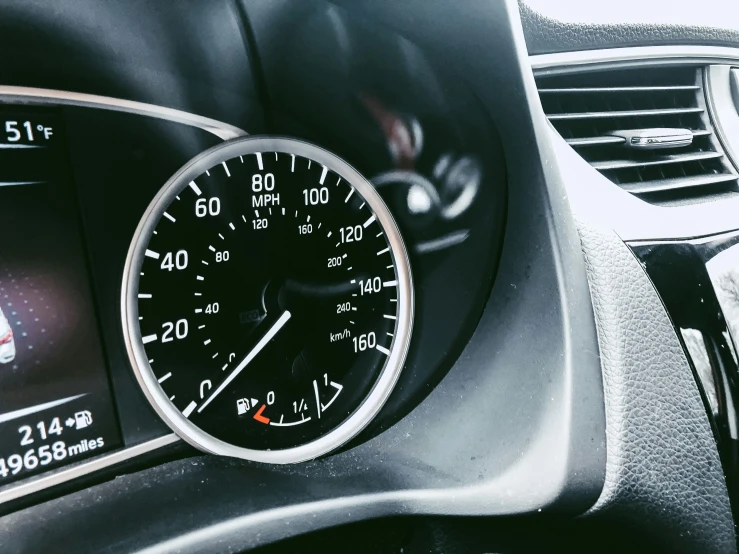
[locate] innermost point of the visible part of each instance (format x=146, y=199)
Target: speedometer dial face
x=267, y=301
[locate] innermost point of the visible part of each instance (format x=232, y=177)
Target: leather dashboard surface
x=663, y=474
x=571, y=25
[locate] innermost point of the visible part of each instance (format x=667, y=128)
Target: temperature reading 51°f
x=18, y=131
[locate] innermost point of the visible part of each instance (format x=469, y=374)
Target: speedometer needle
x=279, y=324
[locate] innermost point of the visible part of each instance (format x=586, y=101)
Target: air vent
x=635, y=127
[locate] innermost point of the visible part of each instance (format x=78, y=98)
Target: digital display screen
x=56, y=406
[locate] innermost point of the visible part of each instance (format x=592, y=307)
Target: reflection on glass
x=723, y=270
x=698, y=352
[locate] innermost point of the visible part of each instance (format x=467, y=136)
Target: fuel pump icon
x=242, y=406
x=82, y=419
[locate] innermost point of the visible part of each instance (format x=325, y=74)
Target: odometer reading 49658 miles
x=267, y=301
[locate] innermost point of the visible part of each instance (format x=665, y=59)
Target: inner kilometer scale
x=267, y=301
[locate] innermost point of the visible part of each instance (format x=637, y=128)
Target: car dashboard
x=370, y=275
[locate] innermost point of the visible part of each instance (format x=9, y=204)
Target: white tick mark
x=190, y=407
x=383, y=350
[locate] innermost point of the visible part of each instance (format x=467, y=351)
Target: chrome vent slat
x=595, y=141
x=605, y=139
x=576, y=90
x=623, y=113
x=661, y=160
x=662, y=185
x=597, y=111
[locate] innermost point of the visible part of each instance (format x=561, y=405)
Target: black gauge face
x=268, y=301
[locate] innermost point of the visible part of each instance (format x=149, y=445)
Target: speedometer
x=267, y=301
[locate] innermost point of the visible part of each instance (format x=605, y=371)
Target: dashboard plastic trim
x=28, y=95
x=42, y=483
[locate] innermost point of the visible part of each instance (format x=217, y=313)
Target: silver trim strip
x=573, y=62
x=606, y=90
x=39, y=484
x=28, y=95
x=622, y=113
x=665, y=159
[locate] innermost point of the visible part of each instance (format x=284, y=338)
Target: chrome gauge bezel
x=129, y=303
